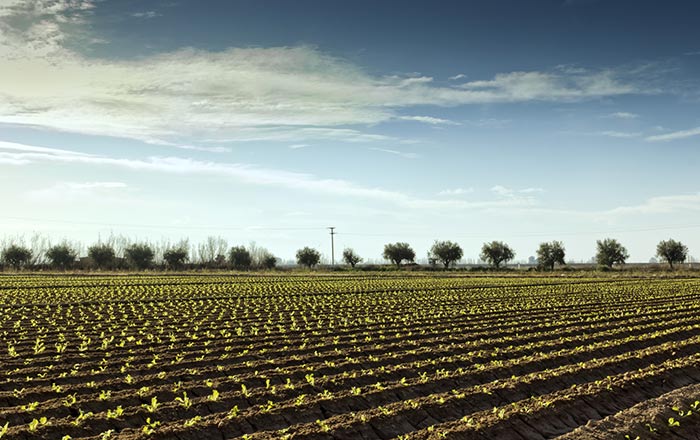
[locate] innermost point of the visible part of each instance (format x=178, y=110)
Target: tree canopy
x=240, y=258
x=62, y=255
x=610, y=251
x=139, y=255
x=398, y=252
x=551, y=253
x=496, y=252
x=102, y=255
x=175, y=257
x=446, y=252
x=16, y=256
x=308, y=257
x=671, y=251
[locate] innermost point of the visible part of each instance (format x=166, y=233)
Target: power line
x=356, y=234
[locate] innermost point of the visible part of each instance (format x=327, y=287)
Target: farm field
x=349, y=356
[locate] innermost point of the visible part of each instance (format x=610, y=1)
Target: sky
x=415, y=121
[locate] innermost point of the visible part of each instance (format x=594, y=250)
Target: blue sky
x=521, y=121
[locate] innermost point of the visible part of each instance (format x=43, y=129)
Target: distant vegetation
x=119, y=253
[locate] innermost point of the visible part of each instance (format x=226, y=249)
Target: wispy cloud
x=247, y=174
x=623, y=115
x=62, y=191
x=456, y=191
x=660, y=205
x=510, y=192
x=298, y=146
x=184, y=97
x=620, y=134
x=146, y=14
x=489, y=122
x=397, y=153
x=457, y=77
x=429, y=120
x=675, y=135
x=572, y=85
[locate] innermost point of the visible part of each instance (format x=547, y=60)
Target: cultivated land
x=360, y=356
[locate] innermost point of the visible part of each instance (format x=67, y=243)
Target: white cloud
x=146, y=14
x=620, y=134
x=247, y=174
x=429, y=120
x=682, y=134
x=62, y=191
x=298, y=146
x=660, y=205
x=549, y=86
x=623, y=115
x=455, y=191
x=510, y=192
x=397, y=153
x=183, y=97
x=458, y=76
x=502, y=190
x=489, y=122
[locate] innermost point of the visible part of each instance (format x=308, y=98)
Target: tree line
x=119, y=253
x=141, y=256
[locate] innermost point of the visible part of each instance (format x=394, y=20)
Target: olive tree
x=139, y=255
x=398, y=252
x=308, y=257
x=268, y=261
x=610, y=251
x=102, y=254
x=549, y=254
x=350, y=257
x=240, y=258
x=176, y=257
x=446, y=252
x=671, y=251
x=62, y=255
x=16, y=256
x=496, y=252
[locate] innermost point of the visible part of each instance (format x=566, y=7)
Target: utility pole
x=332, y=228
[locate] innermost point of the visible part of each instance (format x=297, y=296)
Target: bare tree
x=212, y=250
x=350, y=257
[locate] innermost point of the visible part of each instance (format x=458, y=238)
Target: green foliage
x=398, y=252
x=671, y=251
x=308, y=257
x=610, y=251
x=549, y=254
x=62, y=255
x=496, y=252
x=16, y=256
x=446, y=252
x=139, y=255
x=240, y=258
x=176, y=257
x=102, y=255
x=350, y=257
x=268, y=261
